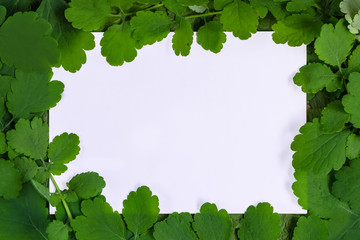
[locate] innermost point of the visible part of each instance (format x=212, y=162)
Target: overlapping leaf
x=262, y=8
x=86, y=185
x=351, y=101
x=175, y=227
x=211, y=36
x=353, y=146
x=310, y=228
x=334, y=117
x=10, y=180
x=183, y=38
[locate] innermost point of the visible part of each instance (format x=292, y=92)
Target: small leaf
x=211, y=36
x=150, y=27
x=86, y=185
x=27, y=167
x=211, y=224
x=175, y=227
x=141, y=210
x=351, y=101
x=193, y=2
x=57, y=230
x=199, y=9
x=310, y=228
x=183, y=38
x=220, y=4
x=334, y=45
x=117, y=45
x=240, y=19
x=62, y=150
x=175, y=7
x=41, y=189
x=31, y=139
x=262, y=7
x=353, y=146
x=260, y=223
x=10, y=180
x=300, y=5
x=334, y=117
x=32, y=48
x=354, y=61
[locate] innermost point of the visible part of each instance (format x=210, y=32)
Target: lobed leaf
x=354, y=61
x=300, y=5
x=175, y=7
x=310, y=228
x=183, y=38
x=211, y=36
x=353, y=146
x=86, y=185
x=10, y=180
x=262, y=7
x=334, y=118
x=351, y=101
x=57, y=230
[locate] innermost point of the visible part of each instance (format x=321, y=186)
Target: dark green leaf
x=27, y=167
x=175, y=227
x=175, y=7
x=211, y=36
x=57, y=230
x=193, y=2
x=10, y=180
x=353, y=146
x=310, y=228
x=351, y=101
x=86, y=185
x=334, y=117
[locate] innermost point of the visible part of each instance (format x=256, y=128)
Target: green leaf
x=334, y=45
x=89, y=15
x=3, y=145
x=148, y=1
x=318, y=152
x=240, y=19
x=57, y=230
x=351, y=101
x=16, y=6
x=313, y=77
x=117, y=45
x=31, y=139
x=141, y=210
x=62, y=150
x=347, y=184
x=10, y=180
x=183, y=38
x=27, y=167
x=99, y=222
x=74, y=207
x=193, y=2
x=354, y=61
x=300, y=5
x=297, y=29
x=42, y=175
x=32, y=93
x=211, y=224
x=175, y=7
x=122, y=4
x=260, y=223
x=72, y=42
x=86, y=185
x=334, y=117
x=175, y=227
x=28, y=214
x=350, y=7
x=211, y=36
x=150, y=27
x=263, y=6
x=32, y=48
x=220, y=4
x=310, y=228
x=353, y=146
x=5, y=85
x=41, y=189
x=2, y=14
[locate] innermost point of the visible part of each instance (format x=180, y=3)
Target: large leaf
x=10, y=180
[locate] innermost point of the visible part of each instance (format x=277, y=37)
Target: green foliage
x=220, y=4
x=10, y=180
x=351, y=101
x=141, y=210
x=57, y=230
x=118, y=45
x=240, y=19
x=28, y=214
x=300, y=5
x=297, y=29
x=211, y=36
x=99, y=222
x=2, y=14
x=354, y=61
x=175, y=227
x=3, y=145
x=353, y=146
x=62, y=150
x=86, y=185
x=32, y=48
x=310, y=228
x=211, y=224
x=317, y=151
x=183, y=38
x=175, y=7
x=30, y=138
x=27, y=167
x=193, y=2
x=260, y=223
x=334, y=117
x=262, y=7
x=351, y=9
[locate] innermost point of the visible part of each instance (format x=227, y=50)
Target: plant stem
x=204, y=15
x=67, y=210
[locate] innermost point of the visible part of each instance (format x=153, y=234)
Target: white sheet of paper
x=204, y=128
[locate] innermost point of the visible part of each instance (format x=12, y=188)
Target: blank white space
x=203, y=128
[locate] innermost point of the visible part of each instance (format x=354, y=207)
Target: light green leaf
x=297, y=29
x=211, y=36
x=183, y=38
x=2, y=14
x=10, y=180
x=347, y=184
x=334, y=45
x=318, y=152
x=193, y=2
x=42, y=175
x=62, y=150
x=117, y=45
x=57, y=230
x=150, y=27
x=99, y=222
x=27, y=167
x=220, y=4
x=32, y=48
x=260, y=223
x=89, y=15
x=313, y=77
x=141, y=210
x=31, y=139
x=350, y=7
x=28, y=214
x=122, y=4
x=32, y=93
x=334, y=118
x=86, y=185
x=351, y=101
x=240, y=19
x=310, y=228
x=211, y=224
x=175, y=227
x=354, y=61
x=263, y=6
x=353, y=147
x=41, y=189
x=3, y=145
x=300, y=5
x=72, y=42
x=175, y=7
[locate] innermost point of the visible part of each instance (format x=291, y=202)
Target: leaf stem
x=204, y=15
x=67, y=210
x=8, y=124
